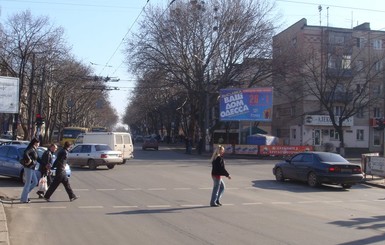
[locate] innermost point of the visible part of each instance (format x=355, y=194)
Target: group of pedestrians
x=33, y=176
x=46, y=163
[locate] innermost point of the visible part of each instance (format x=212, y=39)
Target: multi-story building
x=323, y=73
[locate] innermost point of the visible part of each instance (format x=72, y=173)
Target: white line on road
x=156, y=189
x=106, y=189
x=192, y=205
x=158, y=206
x=280, y=203
x=54, y=207
x=90, y=207
x=205, y=188
x=125, y=206
x=182, y=189
x=252, y=203
x=132, y=189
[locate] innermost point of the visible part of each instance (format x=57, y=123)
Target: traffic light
x=379, y=124
x=39, y=120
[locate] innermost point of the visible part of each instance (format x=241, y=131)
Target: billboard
x=9, y=95
x=252, y=104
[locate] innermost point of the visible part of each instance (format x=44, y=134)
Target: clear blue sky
x=96, y=28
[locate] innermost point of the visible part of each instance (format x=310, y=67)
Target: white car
x=94, y=155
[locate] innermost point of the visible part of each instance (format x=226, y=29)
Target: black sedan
x=317, y=168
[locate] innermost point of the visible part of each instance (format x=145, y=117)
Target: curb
x=4, y=236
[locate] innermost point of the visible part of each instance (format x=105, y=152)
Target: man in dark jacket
x=45, y=166
x=61, y=176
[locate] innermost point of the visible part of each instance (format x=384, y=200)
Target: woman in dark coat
x=30, y=156
x=218, y=170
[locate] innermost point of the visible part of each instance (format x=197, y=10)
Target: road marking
x=53, y=207
x=158, y=206
x=106, y=189
x=192, y=205
x=232, y=188
x=281, y=203
x=132, y=189
x=307, y=202
x=205, y=188
x=252, y=203
x=156, y=189
x=182, y=189
x=89, y=207
x=125, y=206
x=337, y=201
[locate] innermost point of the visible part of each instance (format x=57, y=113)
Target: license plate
x=346, y=170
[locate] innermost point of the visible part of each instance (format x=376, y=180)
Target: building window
x=377, y=138
x=332, y=63
x=377, y=89
x=378, y=65
x=377, y=112
x=360, y=134
x=338, y=111
x=360, y=113
x=359, y=65
x=294, y=133
x=377, y=44
x=334, y=134
x=360, y=42
x=346, y=62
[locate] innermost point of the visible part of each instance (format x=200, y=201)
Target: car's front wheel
x=279, y=175
x=110, y=166
x=312, y=180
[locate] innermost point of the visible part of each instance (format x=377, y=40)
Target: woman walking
x=30, y=156
x=218, y=170
x=60, y=175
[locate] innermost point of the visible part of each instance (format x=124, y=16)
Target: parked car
x=317, y=168
x=94, y=155
x=10, y=156
x=150, y=143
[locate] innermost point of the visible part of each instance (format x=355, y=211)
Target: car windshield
x=102, y=148
x=331, y=157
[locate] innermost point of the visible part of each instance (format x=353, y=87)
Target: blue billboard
x=252, y=104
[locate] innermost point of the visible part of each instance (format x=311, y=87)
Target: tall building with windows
x=324, y=74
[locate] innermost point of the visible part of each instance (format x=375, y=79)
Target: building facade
x=323, y=74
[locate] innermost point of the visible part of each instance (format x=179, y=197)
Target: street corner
x=375, y=181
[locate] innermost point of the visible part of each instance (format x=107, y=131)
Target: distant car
x=317, y=168
x=94, y=155
x=151, y=143
x=10, y=156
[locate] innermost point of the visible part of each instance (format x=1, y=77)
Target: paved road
x=162, y=197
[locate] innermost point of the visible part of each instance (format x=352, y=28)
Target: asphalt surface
x=4, y=235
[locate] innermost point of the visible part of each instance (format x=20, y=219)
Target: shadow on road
x=300, y=187
x=375, y=223
x=158, y=210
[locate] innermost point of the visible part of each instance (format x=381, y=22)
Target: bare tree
x=198, y=45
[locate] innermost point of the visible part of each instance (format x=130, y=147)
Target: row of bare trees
x=52, y=81
x=184, y=54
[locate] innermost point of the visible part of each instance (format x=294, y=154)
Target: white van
x=118, y=141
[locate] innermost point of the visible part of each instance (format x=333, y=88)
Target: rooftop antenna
x=327, y=16
x=320, y=17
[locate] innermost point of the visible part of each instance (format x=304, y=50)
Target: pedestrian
x=30, y=156
x=61, y=175
x=45, y=167
x=218, y=170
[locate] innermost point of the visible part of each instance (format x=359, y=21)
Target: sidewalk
x=4, y=236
